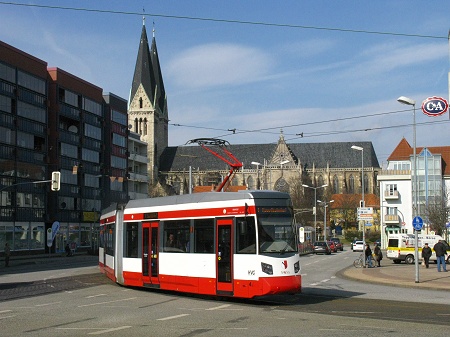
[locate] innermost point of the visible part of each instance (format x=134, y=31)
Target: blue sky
x=311, y=67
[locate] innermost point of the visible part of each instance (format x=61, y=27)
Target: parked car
x=332, y=246
x=358, y=246
x=337, y=242
x=321, y=247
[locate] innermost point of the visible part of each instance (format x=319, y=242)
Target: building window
x=391, y=190
x=351, y=184
x=366, y=184
x=335, y=185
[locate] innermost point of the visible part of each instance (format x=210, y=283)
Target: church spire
x=143, y=72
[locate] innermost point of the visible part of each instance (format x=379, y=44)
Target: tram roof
x=206, y=197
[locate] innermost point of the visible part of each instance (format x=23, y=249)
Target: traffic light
x=56, y=181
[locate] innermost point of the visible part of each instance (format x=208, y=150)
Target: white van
x=401, y=247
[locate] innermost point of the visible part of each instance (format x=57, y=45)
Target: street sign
x=365, y=213
x=49, y=237
x=447, y=225
x=369, y=224
x=302, y=235
x=417, y=223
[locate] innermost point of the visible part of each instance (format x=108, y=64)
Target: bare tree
x=438, y=212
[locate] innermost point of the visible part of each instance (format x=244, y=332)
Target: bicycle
x=359, y=262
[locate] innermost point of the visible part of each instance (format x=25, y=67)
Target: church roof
x=144, y=70
x=319, y=155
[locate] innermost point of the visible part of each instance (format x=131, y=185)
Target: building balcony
x=391, y=195
x=392, y=219
x=138, y=177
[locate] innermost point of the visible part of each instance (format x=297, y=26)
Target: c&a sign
x=434, y=106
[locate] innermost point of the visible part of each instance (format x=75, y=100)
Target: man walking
x=440, y=251
x=426, y=254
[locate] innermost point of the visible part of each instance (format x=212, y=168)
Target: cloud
x=308, y=48
x=384, y=58
x=215, y=65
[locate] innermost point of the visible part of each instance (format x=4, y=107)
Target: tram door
x=224, y=256
x=150, y=252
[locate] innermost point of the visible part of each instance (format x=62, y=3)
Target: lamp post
x=414, y=189
x=258, y=184
x=363, y=204
x=325, y=205
x=315, y=206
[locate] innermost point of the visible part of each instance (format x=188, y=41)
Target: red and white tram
x=240, y=244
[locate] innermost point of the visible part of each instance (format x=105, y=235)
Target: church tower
x=147, y=111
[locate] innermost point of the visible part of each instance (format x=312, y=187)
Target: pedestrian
x=378, y=254
x=7, y=254
x=368, y=254
x=426, y=254
x=440, y=251
x=68, y=250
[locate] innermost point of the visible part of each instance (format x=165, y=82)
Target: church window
x=335, y=185
x=140, y=103
x=320, y=181
x=351, y=184
x=366, y=183
x=136, y=128
x=145, y=126
x=281, y=185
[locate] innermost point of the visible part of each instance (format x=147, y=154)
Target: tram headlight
x=296, y=267
x=267, y=268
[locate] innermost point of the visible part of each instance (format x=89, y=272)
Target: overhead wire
x=230, y=21
x=270, y=24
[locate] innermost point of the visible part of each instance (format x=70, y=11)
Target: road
x=79, y=301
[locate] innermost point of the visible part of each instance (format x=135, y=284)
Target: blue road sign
x=447, y=225
x=417, y=223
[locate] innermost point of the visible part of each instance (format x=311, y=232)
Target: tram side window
x=176, y=236
x=245, y=235
x=109, y=239
x=131, y=240
x=204, y=236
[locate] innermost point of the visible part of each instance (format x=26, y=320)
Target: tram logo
x=284, y=264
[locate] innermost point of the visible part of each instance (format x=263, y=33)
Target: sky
x=317, y=71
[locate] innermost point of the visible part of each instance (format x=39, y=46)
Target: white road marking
x=102, y=303
x=109, y=330
x=222, y=307
x=8, y=316
x=92, y=296
x=172, y=317
x=3, y=311
x=45, y=304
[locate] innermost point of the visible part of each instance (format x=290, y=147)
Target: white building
x=396, y=192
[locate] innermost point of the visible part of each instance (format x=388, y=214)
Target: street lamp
x=414, y=190
x=315, y=206
x=325, y=205
x=363, y=204
x=258, y=184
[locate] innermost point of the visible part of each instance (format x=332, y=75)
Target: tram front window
x=276, y=235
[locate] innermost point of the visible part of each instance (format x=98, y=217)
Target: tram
x=237, y=244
